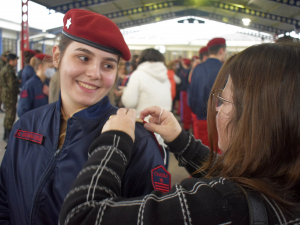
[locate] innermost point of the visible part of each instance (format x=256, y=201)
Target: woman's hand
x=123, y=121
x=162, y=122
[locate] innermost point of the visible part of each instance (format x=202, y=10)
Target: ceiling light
x=246, y=21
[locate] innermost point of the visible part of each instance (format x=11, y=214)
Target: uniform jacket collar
x=93, y=112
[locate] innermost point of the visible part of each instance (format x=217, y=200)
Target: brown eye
x=83, y=58
x=107, y=66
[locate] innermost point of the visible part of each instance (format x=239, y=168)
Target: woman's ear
x=56, y=55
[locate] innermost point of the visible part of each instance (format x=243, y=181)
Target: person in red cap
x=34, y=93
x=201, y=83
x=203, y=55
x=48, y=146
x=28, y=70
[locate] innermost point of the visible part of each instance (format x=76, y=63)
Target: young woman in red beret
x=48, y=146
x=34, y=93
x=254, y=120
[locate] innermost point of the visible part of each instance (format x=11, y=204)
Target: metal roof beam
x=238, y=22
x=78, y=4
x=295, y=3
x=199, y=13
x=141, y=9
x=256, y=13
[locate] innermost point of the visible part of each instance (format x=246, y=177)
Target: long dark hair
x=264, y=149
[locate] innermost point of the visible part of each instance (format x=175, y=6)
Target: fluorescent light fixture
x=161, y=48
x=50, y=35
x=246, y=21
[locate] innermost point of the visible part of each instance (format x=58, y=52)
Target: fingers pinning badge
x=139, y=120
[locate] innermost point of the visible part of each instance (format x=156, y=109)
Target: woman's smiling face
x=86, y=74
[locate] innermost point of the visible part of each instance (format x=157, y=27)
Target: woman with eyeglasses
x=253, y=117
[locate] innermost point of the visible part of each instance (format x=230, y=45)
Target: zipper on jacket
x=50, y=168
x=41, y=184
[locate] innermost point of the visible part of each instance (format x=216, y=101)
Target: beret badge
x=68, y=23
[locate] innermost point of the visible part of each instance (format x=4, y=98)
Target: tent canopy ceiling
x=271, y=16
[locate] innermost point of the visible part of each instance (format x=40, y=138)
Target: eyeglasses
x=219, y=99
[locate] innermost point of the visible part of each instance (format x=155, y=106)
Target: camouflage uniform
x=2, y=64
x=9, y=83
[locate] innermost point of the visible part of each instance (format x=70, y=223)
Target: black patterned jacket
x=193, y=201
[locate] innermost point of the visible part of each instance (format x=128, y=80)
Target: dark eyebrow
x=111, y=59
x=92, y=54
x=85, y=50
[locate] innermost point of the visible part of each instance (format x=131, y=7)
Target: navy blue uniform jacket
x=35, y=178
x=31, y=96
x=203, y=78
x=27, y=73
x=184, y=76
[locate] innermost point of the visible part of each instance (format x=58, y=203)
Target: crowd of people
x=96, y=126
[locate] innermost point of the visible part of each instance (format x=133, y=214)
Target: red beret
x=186, y=61
x=95, y=30
x=195, y=57
x=30, y=51
x=42, y=57
x=203, y=50
x=216, y=41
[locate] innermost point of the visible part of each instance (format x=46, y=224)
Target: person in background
x=3, y=59
x=171, y=75
x=148, y=84
x=10, y=90
x=185, y=110
x=133, y=63
x=3, y=62
x=195, y=61
x=28, y=70
x=122, y=74
x=34, y=93
x=54, y=87
x=203, y=54
x=49, y=145
x=114, y=94
x=202, y=80
x=176, y=101
x=253, y=117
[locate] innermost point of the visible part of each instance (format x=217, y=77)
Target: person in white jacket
x=148, y=84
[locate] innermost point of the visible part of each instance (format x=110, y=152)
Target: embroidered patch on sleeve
x=29, y=136
x=24, y=94
x=161, y=179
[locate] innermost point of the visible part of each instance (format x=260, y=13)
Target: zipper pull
x=57, y=152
